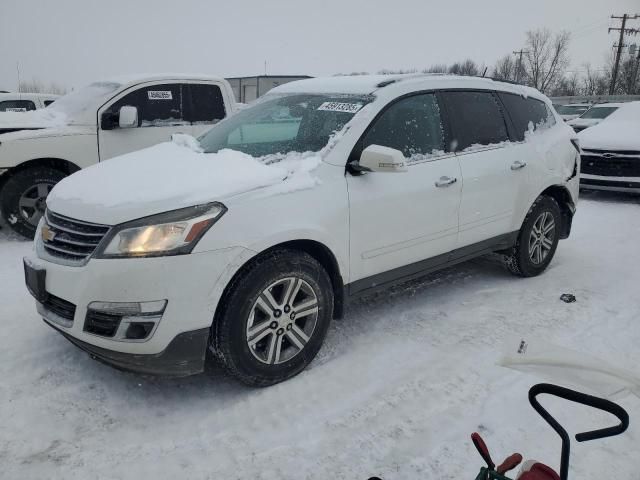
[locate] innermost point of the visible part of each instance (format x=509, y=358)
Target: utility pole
x=623, y=31
x=519, y=64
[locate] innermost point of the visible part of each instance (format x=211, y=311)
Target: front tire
x=537, y=240
x=23, y=198
x=274, y=318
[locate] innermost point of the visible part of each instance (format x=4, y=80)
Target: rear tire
x=537, y=240
x=23, y=198
x=274, y=318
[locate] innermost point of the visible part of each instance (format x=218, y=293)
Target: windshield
x=571, y=109
x=89, y=97
x=284, y=123
x=599, y=112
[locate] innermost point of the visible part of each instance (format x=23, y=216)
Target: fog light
x=127, y=321
x=139, y=330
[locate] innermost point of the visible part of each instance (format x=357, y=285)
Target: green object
x=486, y=474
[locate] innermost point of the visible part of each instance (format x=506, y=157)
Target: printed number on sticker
x=159, y=95
x=340, y=107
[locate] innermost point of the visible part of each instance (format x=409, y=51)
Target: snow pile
x=42, y=118
x=172, y=175
x=619, y=131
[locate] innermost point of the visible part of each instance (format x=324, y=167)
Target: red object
x=510, y=463
x=482, y=449
x=539, y=471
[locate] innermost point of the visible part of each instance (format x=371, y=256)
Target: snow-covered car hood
x=584, y=122
x=170, y=176
x=35, y=119
x=612, y=135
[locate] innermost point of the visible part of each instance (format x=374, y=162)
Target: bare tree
x=546, y=59
x=36, y=86
x=437, y=68
x=504, y=69
x=468, y=67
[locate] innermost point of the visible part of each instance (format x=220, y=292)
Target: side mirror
x=376, y=158
x=128, y=117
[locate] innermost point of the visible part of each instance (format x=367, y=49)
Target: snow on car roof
x=150, y=77
x=366, y=84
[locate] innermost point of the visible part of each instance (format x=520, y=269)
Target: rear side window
x=204, y=103
x=158, y=105
x=476, y=119
x=411, y=125
x=48, y=102
x=526, y=113
x=17, y=106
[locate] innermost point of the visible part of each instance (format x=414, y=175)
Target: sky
x=74, y=42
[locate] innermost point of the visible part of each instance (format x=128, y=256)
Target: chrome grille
x=69, y=239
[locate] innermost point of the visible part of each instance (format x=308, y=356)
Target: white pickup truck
x=24, y=102
x=95, y=123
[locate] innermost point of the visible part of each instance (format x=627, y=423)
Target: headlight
x=172, y=233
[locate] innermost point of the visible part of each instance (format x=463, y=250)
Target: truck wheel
x=537, y=240
x=274, y=318
x=23, y=198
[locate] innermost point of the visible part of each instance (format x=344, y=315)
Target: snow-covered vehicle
x=572, y=110
x=611, y=152
x=248, y=241
x=593, y=116
x=24, y=102
x=95, y=123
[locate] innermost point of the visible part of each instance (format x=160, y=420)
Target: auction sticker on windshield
x=340, y=107
x=160, y=95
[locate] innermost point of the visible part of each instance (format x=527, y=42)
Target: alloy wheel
x=541, y=237
x=282, y=320
x=32, y=203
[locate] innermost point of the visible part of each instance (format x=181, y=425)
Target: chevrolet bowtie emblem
x=47, y=234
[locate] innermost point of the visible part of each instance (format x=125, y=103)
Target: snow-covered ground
x=398, y=387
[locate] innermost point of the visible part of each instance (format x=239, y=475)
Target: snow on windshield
x=86, y=98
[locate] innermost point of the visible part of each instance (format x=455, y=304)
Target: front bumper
x=192, y=285
x=613, y=184
x=184, y=355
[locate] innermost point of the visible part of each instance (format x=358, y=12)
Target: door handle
x=517, y=165
x=446, y=181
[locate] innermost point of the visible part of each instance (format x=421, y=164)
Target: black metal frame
x=584, y=399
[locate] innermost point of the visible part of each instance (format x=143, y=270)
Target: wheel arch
x=561, y=194
x=320, y=252
x=65, y=166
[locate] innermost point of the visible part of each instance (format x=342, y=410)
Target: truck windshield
x=280, y=124
x=86, y=98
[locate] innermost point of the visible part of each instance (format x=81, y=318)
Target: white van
x=93, y=124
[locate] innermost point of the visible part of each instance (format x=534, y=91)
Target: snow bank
x=172, y=175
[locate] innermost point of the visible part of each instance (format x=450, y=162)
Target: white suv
x=248, y=242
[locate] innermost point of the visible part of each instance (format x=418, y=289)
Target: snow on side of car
x=619, y=131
